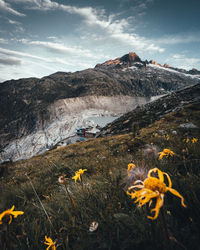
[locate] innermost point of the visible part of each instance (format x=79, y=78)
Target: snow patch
x=130, y=68
x=173, y=71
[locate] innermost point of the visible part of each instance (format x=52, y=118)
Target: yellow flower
x=188, y=140
x=76, y=177
x=131, y=166
x=10, y=212
x=194, y=140
x=81, y=171
x=78, y=174
x=167, y=137
x=153, y=187
x=166, y=152
x=50, y=243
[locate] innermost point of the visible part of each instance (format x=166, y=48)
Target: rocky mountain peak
x=132, y=59
x=128, y=60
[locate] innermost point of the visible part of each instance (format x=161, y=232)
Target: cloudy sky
x=40, y=37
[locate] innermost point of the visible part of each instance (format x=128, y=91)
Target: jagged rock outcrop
x=155, y=63
x=127, y=60
x=166, y=65
x=132, y=59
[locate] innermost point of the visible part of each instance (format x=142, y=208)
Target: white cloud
x=72, y=62
x=182, y=61
x=112, y=27
x=10, y=61
x=6, y=7
x=187, y=60
x=38, y=4
x=2, y=80
x=52, y=37
x=179, y=39
x=2, y=40
x=21, y=54
x=13, y=22
x=61, y=48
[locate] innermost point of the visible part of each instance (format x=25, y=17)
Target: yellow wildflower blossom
x=78, y=174
x=76, y=177
x=194, y=140
x=166, y=152
x=131, y=166
x=10, y=212
x=153, y=187
x=50, y=243
x=81, y=171
x=167, y=137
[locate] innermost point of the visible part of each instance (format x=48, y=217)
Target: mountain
x=144, y=115
x=132, y=59
x=35, y=114
x=96, y=212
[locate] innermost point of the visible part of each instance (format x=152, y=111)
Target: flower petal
x=12, y=208
x=152, y=171
x=16, y=213
x=10, y=219
x=173, y=191
x=159, y=204
x=160, y=175
x=169, y=180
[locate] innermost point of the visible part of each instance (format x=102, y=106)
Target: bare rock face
x=127, y=60
x=36, y=113
x=65, y=116
x=112, y=62
x=130, y=58
x=155, y=63
x=166, y=65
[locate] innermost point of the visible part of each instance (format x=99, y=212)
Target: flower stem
x=82, y=182
x=40, y=201
x=165, y=229
x=70, y=198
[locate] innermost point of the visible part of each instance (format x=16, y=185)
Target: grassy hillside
x=33, y=187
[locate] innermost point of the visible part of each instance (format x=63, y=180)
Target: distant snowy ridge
x=172, y=70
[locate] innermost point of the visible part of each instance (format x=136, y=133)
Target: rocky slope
x=61, y=120
x=146, y=114
x=36, y=113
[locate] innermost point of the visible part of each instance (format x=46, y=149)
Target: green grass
x=122, y=225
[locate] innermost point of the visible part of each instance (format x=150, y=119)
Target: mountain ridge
x=145, y=114
x=131, y=58
x=30, y=106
